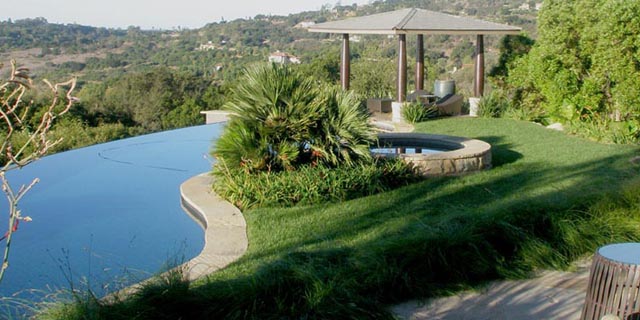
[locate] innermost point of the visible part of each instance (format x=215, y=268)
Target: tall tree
x=585, y=63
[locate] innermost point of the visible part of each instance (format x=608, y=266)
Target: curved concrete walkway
x=225, y=234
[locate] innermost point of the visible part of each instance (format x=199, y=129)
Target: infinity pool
x=106, y=215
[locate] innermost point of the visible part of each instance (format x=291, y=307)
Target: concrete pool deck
x=551, y=295
x=225, y=230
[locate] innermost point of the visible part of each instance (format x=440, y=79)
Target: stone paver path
x=552, y=295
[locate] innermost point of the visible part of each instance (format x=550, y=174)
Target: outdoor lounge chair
x=416, y=95
x=450, y=105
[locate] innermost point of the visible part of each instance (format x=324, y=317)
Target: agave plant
x=281, y=120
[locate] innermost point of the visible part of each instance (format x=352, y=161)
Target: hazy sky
x=149, y=14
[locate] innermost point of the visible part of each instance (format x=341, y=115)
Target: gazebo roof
x=413, y=21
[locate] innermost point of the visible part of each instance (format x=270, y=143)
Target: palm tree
x=344, y=129
x=282, y=121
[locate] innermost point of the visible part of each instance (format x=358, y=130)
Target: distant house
x=283, y=58
x=206, y=46
x=304, y=24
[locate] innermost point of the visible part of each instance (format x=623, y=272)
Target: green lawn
x=549, y=199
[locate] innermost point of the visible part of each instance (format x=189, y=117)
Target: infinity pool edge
x=225, y=229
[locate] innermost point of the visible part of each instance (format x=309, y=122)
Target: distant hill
x=135, y=81
x=230, y=42
x=38, y=33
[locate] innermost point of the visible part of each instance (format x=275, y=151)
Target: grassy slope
x=348, y=260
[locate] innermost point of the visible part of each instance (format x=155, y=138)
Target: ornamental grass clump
x=312, y=184
x=415, y=112
x=283, y=122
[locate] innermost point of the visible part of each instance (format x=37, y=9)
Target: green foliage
x=154, y=100
x=344, y=132
x=281, y=121
x=585, y=64
x=324, y=66
x=187, y=114
x=415, y=112
x=38, y=33
x=511, y=48
x=374, y=77
x=462, y=52
x=493, y=105
x=310, y=184
x=18, y=138
x=75, y=134
x=602, y=129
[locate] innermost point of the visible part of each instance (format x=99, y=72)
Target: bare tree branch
x=14, y=113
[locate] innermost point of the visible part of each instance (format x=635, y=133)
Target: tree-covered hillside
x=56, y=38
x=185, y=71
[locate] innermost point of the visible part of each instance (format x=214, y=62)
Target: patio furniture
x=450, y=105
x=418, y=95
x=418, y=22
x=614, y=283
x=379, y=104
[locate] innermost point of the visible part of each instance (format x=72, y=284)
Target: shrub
x=493, y=105
x=75, y=134
x=311, y=184
x=415, y=112
x=602, y=129
x=290, y=142
x=282, y=121
x=585, y=60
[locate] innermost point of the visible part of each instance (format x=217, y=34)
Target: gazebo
x=419, y=22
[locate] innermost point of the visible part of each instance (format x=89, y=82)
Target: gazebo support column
x=345, y=62
x=402, y=68
x=478, y=88
x=420, y=62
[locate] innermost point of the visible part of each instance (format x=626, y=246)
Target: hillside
x=94, y=52
x=194, y=67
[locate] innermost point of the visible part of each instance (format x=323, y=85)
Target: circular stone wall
x=459, y=156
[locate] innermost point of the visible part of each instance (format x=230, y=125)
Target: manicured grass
x=549, y=199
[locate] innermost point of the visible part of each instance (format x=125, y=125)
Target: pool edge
x=225, y=235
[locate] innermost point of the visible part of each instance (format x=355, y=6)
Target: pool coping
x=465, y=156
x=225, y=229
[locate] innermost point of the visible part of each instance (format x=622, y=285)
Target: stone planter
x=473, y=106
x=458, y=155
x=396, y=111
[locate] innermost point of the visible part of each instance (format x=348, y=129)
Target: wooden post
x=420, y=62
x=478, y=88
x=345, y=62
x=402, y=68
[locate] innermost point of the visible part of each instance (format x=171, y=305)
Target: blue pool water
x=105, y=212
x=404, y=150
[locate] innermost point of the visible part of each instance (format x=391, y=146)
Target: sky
x=158, y=14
